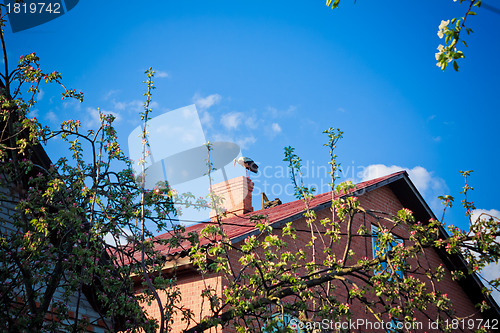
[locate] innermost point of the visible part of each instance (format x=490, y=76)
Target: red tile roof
x=240, y=227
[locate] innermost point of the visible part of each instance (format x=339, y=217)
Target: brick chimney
x=236, y=196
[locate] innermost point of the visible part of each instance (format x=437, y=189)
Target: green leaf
x=455, y=65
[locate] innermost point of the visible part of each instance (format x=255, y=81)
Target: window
x=394, y=326
x=375, y=248
x=286, y=320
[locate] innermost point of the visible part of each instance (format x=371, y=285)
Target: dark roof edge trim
x=420, y=198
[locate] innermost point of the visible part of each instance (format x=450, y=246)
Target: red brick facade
x=190, y=285
x=378, y=196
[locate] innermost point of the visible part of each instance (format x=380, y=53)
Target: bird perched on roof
x=247, y=163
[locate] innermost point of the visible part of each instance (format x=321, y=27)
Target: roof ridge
x=238, y=227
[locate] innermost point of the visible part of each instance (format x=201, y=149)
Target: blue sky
x=268, y=74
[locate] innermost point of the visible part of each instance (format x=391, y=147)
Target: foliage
x=55, y=219
x=318, y=273
x=449, y=29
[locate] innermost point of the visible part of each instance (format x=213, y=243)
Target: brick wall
x=190, y=286
x=381, y=199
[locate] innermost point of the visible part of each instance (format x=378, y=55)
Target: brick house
x=386, y=194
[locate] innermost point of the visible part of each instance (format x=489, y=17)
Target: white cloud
x=231, y=120
x=93, y=119
x=178, y=134
x=134, y=105
x=491, y=271
x=272, y=111
x=485, y=214
x=161, y=74
x=246, y=141
x=378, y=170
x=251, y=122
x=52, y=117
x=243, y=142
x=111, y=93
x=424, y=180
x=40, y=95
x=291, y=109
x=120, y=240
x=71, y=103
x=153, y=105
x=204, y=103
x=429, y=185
x=206, y=119
x=276, y=128
x=275, y=113
x=35, y=113
x=222, y=137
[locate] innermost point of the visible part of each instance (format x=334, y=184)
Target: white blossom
x=444, y=24
x=443, y=27
x=440, y=49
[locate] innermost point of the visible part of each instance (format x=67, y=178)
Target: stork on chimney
x=247, y=163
